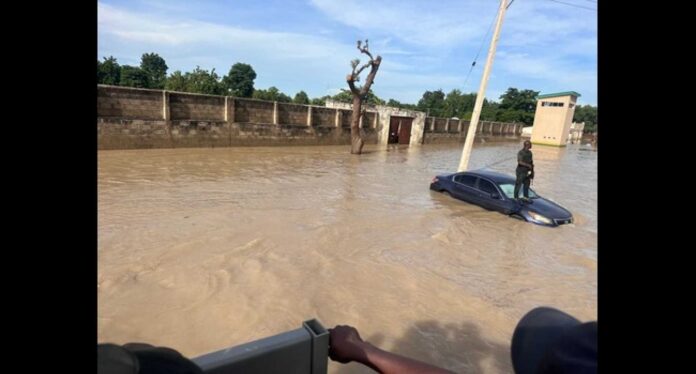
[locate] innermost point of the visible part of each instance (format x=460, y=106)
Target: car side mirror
x=494, y=195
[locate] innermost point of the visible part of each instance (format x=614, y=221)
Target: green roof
x=567, y=93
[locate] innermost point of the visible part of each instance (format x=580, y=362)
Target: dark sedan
x=495, y=191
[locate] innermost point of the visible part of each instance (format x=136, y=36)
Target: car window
x=486, y=186
x=467, y=180
x=509, y=191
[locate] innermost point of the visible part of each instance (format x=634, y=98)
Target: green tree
x=433, y=103
x=132, y=76
x=373, y=99
x=156, y=69
x=301, y=98
x=457, y=104
x=394, y=103
x=321, y=101
x=398, y=104
x=527, y=118
x=515, y=106
x=515, y=99
x=202, y=81
x=515, y=116
x=240, y=80
x=176, y=82
x=345, y=96
x=108, y=72
x=271, y=94
x=587, y=114
x=489, y=111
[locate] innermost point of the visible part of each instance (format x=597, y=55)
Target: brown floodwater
x=201, y=249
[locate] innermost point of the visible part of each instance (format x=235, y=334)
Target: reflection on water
x=200, y=249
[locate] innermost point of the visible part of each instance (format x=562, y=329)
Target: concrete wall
x=196, y=107
x=126, y=103
x=292, y=114
x=253, y=111
x=323, y=117
x=121, y=133
x=449, y=130
x=142, y=118
x=345, y=117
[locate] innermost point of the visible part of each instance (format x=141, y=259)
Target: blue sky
x=308, y=44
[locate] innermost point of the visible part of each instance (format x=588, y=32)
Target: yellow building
x=553, y=117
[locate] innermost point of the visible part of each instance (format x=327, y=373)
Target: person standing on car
x=524, y=171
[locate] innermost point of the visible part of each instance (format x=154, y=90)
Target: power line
x=479, y=51
x=577, y=6
x=481, y=47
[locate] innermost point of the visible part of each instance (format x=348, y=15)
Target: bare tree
x=360, y=94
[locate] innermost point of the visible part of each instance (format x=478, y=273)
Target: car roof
x=490, y=174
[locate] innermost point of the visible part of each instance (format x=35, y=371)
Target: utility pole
x=469, y=142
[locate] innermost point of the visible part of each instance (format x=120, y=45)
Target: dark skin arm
x=519, y=161
x=530, y=166
x=346, y=345
x=527, y=147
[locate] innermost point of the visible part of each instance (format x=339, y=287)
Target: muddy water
x=201, y=249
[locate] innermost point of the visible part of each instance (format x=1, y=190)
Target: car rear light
x=435, y=180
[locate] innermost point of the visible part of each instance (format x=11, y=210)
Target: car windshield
x=509, y=191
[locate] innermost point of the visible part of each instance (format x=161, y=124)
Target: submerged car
x=495, y=191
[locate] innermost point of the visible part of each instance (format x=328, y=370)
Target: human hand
x=345, y=344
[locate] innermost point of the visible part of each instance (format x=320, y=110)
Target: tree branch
x=364, y=49
x=357, y=75
x=354, y=76
x=371, y=77
x=353, y=89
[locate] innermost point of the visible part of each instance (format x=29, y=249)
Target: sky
x=544, y=45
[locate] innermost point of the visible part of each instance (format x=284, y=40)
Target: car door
x=490, y=197
x=464, y=187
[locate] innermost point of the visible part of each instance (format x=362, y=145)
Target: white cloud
x=549, y=43
x=136, y=28
x=544, y=68
x=553, y=74
x=424, y=46
x=279, y=58
x=423, y=23
x=451, y=23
